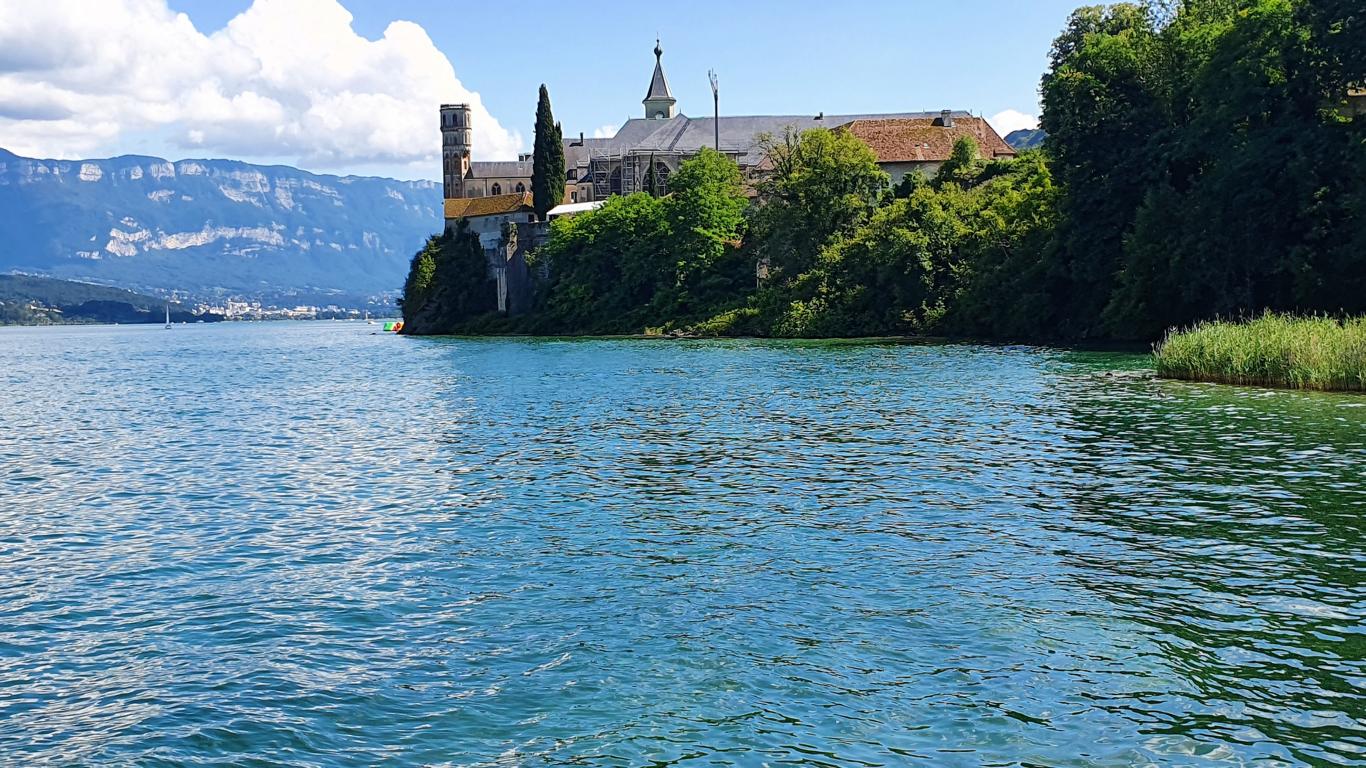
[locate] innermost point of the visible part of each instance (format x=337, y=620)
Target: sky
x=353, y=86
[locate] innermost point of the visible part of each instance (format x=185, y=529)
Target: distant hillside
x=1026, y=139
x=29, y=300
x=211, y=227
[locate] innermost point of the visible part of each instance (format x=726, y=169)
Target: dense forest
x=1202, y=160
x=34, y=300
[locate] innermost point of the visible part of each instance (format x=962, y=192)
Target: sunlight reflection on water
x=312, y=545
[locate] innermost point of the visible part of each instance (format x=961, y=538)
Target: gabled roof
x=493, y=205
x=924, y=139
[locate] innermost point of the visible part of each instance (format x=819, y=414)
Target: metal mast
x=716, y=107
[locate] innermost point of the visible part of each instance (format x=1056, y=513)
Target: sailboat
x=368, y=321
x=168, y=315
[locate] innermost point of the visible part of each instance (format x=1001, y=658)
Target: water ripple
x=303, y=544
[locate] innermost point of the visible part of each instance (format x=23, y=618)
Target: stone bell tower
x=456, y=138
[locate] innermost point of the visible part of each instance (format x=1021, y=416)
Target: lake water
x=304, y=544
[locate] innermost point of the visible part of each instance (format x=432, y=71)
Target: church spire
x=659, y=102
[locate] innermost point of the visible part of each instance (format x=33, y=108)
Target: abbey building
x=596, y=168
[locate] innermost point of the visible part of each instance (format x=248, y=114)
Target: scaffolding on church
x=621, y=173
x=618, y=172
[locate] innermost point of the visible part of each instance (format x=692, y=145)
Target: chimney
x=946, y=118
x=580, y=138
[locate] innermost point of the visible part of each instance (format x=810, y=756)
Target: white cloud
x=605, y=132
x=1011, y=120
x=284, y=79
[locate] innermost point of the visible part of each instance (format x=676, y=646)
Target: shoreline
x=1128, y=347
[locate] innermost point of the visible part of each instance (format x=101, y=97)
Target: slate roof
x=493, y=205
x=921, y=140
x=576, y=155
x=739, y=134
x=491, y=169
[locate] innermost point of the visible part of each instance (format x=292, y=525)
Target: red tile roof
x=924, y=140
x=496, y=205
x=493, y=205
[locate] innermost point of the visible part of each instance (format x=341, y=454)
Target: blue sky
x=773, y=57
x=259, y=79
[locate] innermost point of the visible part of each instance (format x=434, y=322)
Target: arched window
x=497, y=189
x=520, y=187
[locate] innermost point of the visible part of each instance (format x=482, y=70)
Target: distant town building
x=599, y=167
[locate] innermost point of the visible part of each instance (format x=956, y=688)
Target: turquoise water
x=303, y=544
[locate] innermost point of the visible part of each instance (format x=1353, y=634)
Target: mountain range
x=1026, y=138
x=212, y=228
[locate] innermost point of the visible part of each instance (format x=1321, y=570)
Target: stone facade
x=507, y=229
x=457, y=138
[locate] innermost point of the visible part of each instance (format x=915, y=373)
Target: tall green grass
x=1272, y=351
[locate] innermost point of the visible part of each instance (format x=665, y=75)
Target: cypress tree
x=651, y=181
x=557, y=162
x=547, y=160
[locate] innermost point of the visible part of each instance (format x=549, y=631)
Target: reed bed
x=1274, y=350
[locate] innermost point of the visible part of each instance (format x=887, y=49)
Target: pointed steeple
x=659, y=102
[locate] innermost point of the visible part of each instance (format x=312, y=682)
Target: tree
x=547, y=159
x=448, y=284
x=963, y=165
x=823, y=183
x=641, y=261
x=956, y=257
x=1204, y=167
x=1103, y=105
x=651, y=181
x=606, y=266
x=705, y=217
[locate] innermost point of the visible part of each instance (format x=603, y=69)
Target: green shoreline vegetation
x=38, y=300
x=1320, y=353
x=1202, y=160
